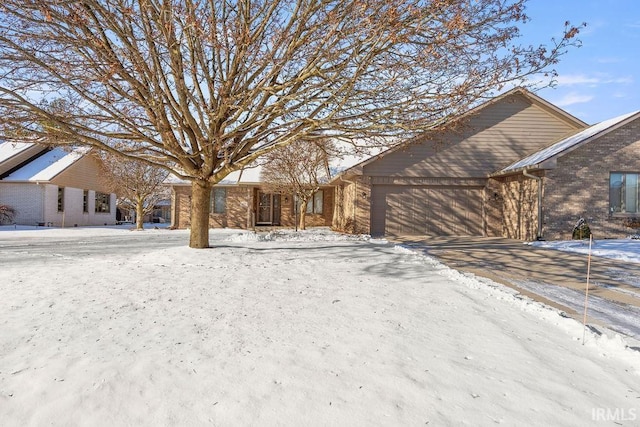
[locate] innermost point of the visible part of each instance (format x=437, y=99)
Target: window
x=85, y=201
x=103, y=202
x=60, y=199
x=314, y=205
x=624, y=193
x=219, y=200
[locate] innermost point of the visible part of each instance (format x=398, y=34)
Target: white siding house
x=54, y=187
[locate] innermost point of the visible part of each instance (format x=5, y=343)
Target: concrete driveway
x=521, y=266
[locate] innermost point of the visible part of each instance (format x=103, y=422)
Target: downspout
x=539, y=179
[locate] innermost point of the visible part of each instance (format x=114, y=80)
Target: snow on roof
x=11, y=149
x=565, y=144
x=249, y=175
x=46, y=167
x=252, y=173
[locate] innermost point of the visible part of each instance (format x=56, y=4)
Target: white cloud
x=592, y=80
x=608, y=60
x=573, y=98
x=576, y=79
x=621, y=80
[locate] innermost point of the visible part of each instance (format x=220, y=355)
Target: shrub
x=7, y=214
x=581, y=230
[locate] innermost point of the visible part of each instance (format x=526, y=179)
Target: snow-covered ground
x=627, y=250
x=105, y=326
x=621, y=317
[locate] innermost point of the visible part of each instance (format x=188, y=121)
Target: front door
x=268, y=209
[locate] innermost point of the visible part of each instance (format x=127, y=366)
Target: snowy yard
x=111, y=327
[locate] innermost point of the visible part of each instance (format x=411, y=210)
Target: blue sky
x=601, y=79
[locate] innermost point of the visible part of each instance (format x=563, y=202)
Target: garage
x=399, y=210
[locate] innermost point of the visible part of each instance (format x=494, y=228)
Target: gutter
x=526, y=173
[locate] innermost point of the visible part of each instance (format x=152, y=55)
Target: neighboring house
x=241, y=200
x=515, y=166
x=53, y=187
x=161, y=213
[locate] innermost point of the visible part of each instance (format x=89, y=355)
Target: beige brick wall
x=287, y=213
x=579, y=186
x=239, y=203
x=180, y=208
x=353, y=204
x=241, y=209
x=492, y=208
x=520, y=208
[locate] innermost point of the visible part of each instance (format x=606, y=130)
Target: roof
x=11, y=149
x=46, y=167
x=251, y=175
x=533, y=98
x=247, y=176
x=567, y=144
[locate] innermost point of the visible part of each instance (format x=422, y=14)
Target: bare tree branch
x=207, y=87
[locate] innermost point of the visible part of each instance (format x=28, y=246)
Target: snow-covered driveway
x=110, y=327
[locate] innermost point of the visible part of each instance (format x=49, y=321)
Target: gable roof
x=44, y=167
x=534, y=99
x=570, y=143
x=10, y=150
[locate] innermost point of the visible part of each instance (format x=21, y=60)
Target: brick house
x=518, y=167
x=242, y=201
x=593, y=174
x=54, y=187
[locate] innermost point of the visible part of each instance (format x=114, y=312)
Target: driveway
x=554, y=277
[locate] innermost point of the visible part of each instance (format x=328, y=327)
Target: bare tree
x=138, y=185
x=208, y=87
x=299, y=169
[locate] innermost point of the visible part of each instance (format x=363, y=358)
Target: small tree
x=7, y=214
x=298, y=169
x=138, y=185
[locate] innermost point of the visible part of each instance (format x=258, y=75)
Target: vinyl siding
x=495, y=137
x=84, y=173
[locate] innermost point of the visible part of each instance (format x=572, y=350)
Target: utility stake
x=586, y=292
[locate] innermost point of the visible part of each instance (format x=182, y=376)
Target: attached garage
x=440, y=183
x=426, y=210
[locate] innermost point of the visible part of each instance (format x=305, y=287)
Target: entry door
x=268, y=209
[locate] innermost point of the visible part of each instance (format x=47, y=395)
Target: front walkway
x=546, y=275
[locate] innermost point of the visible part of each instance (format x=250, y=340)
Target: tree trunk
x=140, y=214
x=200, y=207
x=303, y=214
